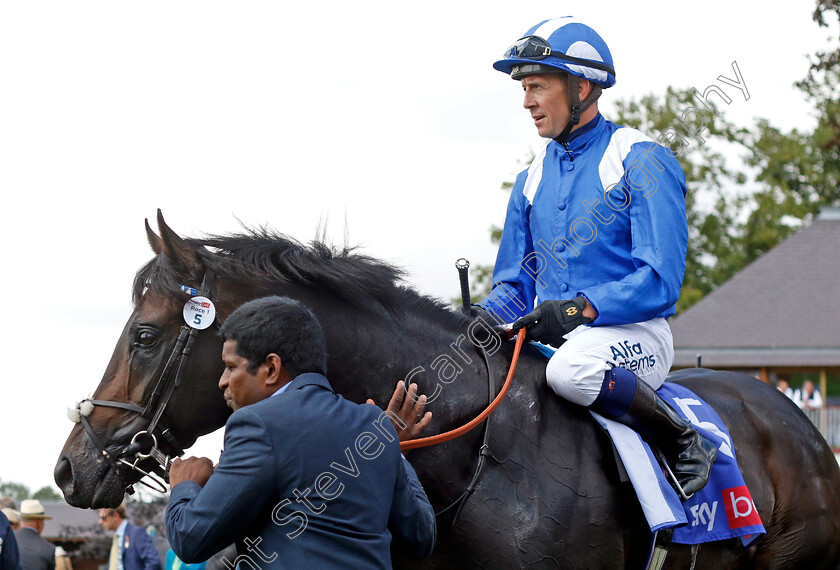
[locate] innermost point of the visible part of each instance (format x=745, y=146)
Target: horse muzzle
x=85, y=478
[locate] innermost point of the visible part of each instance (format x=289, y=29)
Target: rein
x=484, y=450
x=452, y=434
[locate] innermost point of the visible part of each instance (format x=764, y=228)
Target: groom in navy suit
x=306, y=478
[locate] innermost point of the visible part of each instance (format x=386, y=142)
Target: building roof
x=70, y=522
x=783, y=310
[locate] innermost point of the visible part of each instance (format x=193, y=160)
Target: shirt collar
x=281, y=390
x=578, y=138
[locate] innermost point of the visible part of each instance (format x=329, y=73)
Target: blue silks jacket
x=602, y=217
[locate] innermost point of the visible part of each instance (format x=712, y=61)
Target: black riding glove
x=551, y=320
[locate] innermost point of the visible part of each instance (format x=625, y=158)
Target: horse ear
x=154, y=239
x=177, y=250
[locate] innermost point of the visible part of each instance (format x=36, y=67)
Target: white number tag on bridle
x=199, y=312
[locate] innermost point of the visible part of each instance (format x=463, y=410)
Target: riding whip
x=463, y=265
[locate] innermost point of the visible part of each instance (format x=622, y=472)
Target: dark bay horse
x=549, y=494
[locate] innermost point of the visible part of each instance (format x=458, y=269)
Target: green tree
x=798, y=171
x=17, y=491
x=47, y=493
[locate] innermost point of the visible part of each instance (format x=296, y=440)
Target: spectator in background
x=13, y=516
x=132, y=548
x=35, y=552
x=175, y=563
x=785, y=388
x=9, y=554
x=808, y=397
x=9, y=508
x=161, y=544
x=62, y=561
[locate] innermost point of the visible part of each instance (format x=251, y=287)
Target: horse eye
x=146, y=338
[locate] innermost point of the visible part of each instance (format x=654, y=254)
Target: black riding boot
x=689, y=453
x=686, y=449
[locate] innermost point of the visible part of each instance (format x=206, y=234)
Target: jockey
x=595, y=236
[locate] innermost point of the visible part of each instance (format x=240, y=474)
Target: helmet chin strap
x=576, y=105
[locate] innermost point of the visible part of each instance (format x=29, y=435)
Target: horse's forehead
x=157, y=308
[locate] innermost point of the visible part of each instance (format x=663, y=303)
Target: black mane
x=264, y=256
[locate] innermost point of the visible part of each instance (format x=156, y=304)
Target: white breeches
x=576, y=371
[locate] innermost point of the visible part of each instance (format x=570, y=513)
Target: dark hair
x=280, y=325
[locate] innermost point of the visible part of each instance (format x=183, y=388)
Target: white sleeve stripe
x=532, y=182
x=611, y=168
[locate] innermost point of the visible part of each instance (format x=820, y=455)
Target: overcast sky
x=383, y=120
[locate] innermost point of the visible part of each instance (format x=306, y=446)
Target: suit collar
x=310, y=379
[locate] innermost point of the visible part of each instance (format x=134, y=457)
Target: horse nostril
x=63, y=475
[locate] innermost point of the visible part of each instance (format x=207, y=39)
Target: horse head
x=128, y=420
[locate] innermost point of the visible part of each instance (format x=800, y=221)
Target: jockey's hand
x=198, y=469
x=406, y=413
x=552, y=320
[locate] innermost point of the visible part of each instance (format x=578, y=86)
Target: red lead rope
x=452, y=434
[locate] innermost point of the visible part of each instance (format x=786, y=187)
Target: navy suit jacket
x=306, y=479
x=138, y=550
x=9, y=555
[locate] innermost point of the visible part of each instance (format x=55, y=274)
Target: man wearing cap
x=131, y=548
x=592, y=253
x=13, y=516
x=35, y=552
x=9, y=508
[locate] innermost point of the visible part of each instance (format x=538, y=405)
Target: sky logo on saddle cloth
x=724, y=508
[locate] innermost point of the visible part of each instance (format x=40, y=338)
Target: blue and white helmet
x=561, y=44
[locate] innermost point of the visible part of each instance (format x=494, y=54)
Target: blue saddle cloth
x=722, y=509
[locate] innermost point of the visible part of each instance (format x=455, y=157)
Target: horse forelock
x=265, y=256
x=159, y=277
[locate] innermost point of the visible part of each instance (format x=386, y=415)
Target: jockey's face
x=241, y=386
x=547, y=99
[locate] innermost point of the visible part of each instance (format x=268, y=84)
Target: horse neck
x=450, y=373
x=371, y=349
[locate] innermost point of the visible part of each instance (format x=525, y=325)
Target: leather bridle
x=144, y=443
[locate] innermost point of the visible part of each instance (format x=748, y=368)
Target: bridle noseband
x=133, y=454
